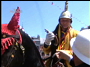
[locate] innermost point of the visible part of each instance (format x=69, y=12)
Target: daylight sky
x=39, y=15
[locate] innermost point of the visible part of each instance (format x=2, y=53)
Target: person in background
x=60, y=38
x=81, y=50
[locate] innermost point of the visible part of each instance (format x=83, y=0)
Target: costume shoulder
x=74, y=32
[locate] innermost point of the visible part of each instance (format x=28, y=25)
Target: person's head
x=65, y=19
x=81, y=46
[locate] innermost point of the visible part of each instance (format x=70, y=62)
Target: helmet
x=81, y=46
x=66, y=14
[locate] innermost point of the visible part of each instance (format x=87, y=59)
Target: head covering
x=13, y=24
x=81, y=46
x=66, y=13
x=11, y=29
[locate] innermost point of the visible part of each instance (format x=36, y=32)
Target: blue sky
x=39, y=15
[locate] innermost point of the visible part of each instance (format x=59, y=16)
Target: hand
x=62, y=54
x=49, y=37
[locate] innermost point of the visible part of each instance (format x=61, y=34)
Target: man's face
x=65, y=22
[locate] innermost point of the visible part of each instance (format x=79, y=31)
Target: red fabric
x=8, y=31
x=6, y=43
x=11, y=29
x=13, y=24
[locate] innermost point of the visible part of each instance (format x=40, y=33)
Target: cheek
x=69, y=24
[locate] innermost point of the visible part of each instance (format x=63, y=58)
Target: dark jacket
x=81, y=65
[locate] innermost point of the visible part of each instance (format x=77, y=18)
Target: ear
x=13, y=24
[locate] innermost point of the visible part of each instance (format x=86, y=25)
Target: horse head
x=11, y=35
x=10, y=29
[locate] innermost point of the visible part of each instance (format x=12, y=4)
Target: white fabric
x=49, y=37
x=81, y=46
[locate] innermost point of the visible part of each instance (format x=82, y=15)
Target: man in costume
x=60, y=38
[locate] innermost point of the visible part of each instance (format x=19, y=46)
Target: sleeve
x=76, y=33
x=46, y=49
